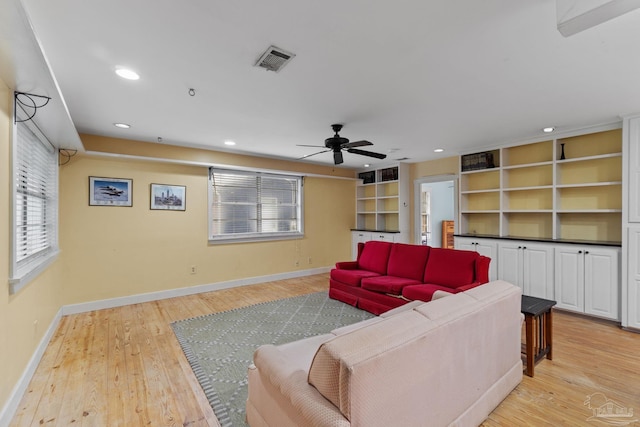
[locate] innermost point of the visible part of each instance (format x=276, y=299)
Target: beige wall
x=25, y=316
x=118, y=251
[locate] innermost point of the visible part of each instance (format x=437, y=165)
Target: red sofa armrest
x=347, y=265
x=482, y=269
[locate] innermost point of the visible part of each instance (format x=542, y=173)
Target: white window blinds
x=253, y=205
x=35, y=201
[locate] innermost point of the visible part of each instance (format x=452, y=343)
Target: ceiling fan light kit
x=337, y=144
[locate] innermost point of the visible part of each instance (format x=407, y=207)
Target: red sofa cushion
x=424, y=292
x=450, y=267
x=387, y=284
x=408, y=261
x=350, y=277
x=375, y=256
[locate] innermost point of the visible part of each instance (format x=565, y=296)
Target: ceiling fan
x=337, y=143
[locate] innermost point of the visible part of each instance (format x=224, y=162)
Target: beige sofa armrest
x=440, y=294
x=280, y=377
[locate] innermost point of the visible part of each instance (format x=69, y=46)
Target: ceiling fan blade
x=367, y=153
x=337, y=157
x=304, y=145
x=357, y=144
x=312, y=154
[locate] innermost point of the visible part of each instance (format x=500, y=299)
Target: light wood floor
x=124, y=367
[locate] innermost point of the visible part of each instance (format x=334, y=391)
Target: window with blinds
x=253, y=205
x=35, y=203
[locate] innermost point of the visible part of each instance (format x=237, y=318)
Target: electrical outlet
x=194, y=269
x=297, y=263
x=309, y=261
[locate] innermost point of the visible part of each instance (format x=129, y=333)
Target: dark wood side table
x=539, y=330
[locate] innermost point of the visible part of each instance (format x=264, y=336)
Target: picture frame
x=166, y=197
x=110, y=191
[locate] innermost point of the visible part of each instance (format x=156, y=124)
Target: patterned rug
x=220, y=346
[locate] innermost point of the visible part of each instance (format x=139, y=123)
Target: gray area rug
x=220, y=346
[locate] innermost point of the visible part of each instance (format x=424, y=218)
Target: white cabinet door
x=632, y=318
x=587, y=280
x=464, y=243
x=485, y=247
x=601, y=284
x=357, y=237
x=569, y=278
x=527, y=265
x=537, y=270
x=510, y=268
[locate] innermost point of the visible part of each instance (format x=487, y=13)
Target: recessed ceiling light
x=366, y=165
x=128, y=74
x=548, y=129
x=122, y=125
x=229, y=143
x=438, y=150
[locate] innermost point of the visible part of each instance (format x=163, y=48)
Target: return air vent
x=274, y=58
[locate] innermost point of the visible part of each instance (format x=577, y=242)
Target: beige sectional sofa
x=447, y=362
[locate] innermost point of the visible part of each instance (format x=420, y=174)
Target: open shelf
x=380, y=196
x=536, y=192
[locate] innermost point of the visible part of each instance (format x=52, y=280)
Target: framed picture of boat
x=168, y=197
x=110, y=191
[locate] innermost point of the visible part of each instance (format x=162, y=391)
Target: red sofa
x=387, y=275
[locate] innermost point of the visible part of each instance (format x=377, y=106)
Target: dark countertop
x=368, y=230
x=542, y=240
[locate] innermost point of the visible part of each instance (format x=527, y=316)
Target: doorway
x=435, y=202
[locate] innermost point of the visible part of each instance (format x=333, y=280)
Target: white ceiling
x=409, y=76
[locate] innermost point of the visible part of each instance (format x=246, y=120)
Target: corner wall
x=26, y=316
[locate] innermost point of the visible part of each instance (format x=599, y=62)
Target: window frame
x=23, y=271
x=255, y=236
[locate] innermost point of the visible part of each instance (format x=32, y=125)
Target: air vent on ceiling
x=274, y=58
x=401, y=159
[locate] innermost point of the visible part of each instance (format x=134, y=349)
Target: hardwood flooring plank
x=95, y=383
x=155, y=385
x=51, y=359
x=137, y=384
x=66, y=382
x=118, y=402
x=181, y=383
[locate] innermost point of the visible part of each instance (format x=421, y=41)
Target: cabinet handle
x=586, y=252
x=519, y=247
x=579, y=252
x=524, y=247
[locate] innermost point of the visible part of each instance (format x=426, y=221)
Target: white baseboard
x=171, y=293
x=10, y=408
